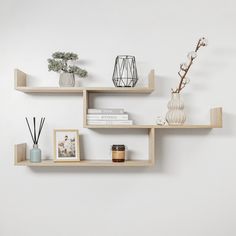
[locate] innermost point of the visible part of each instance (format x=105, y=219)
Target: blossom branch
x=184, y=68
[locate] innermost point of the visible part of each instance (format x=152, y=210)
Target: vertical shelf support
x=20, y=78
x=151, y=79
x=20, y=153
x=152, y=145
x=216, y=117
x=85, y=104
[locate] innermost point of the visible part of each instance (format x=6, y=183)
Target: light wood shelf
x=88, y=163
x=215, y=122
x=119, y=126
x=47, y=90
x=21, y=85
x=186, y=126
x=20, y=149
x=21, y=160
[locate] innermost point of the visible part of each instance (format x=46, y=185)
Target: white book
x=107, y=117
x=110, y=122
x=105, y=111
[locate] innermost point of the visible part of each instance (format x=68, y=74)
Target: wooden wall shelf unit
x=21, y=85
x=21, y=149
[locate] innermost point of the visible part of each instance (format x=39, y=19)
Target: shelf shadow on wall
x=95, y=170
x=161, y=135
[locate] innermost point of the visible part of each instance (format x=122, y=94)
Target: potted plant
x=176, y=114
x=65, y=64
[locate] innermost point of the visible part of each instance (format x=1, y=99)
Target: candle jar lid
x=118, y=147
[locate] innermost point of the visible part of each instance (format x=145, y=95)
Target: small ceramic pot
x=67, y=80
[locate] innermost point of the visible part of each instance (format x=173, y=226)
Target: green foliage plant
x=63, y=62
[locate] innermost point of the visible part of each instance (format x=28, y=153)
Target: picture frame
x=66, y=145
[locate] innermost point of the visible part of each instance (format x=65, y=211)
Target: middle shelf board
x=187, y=126
x=101, y=163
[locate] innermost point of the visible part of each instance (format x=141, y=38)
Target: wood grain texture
x=85, y=107
x=152, y=145
x=47, y=90
x=20, y=78
x=118, y=90
x=185, y=126
x=151, y=80
x=81, y=89
x=20, y=153
x=21, y=85
x=118, y=126
x=216, y=117
x=88, y=163
x=21, y=160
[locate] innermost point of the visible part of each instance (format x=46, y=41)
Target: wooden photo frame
x=66, y=145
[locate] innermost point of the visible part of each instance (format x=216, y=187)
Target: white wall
x=191, y=190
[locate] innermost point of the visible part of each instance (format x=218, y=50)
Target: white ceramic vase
x=175, y=114
x=67, y=80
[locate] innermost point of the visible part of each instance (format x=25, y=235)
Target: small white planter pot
x=67, y=80
x=175, y=114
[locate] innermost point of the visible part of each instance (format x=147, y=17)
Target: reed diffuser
x=35, y=152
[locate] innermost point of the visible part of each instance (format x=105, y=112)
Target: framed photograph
x=66, y=145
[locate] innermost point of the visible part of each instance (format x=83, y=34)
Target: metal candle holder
x=125, y=71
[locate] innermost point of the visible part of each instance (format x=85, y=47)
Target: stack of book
x=108, y=116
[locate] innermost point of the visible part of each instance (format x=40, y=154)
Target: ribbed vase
x=175, y=114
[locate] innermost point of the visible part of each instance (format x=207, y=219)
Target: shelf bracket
x=20, y=78
x=151, y=80
x=85, y=104
x=152, y=145
x=216, y=117
x=20, y=153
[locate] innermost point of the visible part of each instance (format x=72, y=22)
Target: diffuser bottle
x=35, y=154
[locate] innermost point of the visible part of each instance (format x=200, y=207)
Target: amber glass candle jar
x=118, y=153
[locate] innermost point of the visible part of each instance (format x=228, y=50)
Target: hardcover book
x=107, y=117
x=105, y=111
x=110, y=122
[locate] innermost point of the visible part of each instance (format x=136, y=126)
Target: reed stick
x=34, y=130
x=35, y=135
x=29, y=129
x=40, y=128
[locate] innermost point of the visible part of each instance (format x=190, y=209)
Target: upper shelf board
x=21, y=85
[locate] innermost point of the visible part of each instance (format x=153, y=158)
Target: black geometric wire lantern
x=125, y=71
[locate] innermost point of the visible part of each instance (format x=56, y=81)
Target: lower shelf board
x=20, y=156
x=101, y=163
